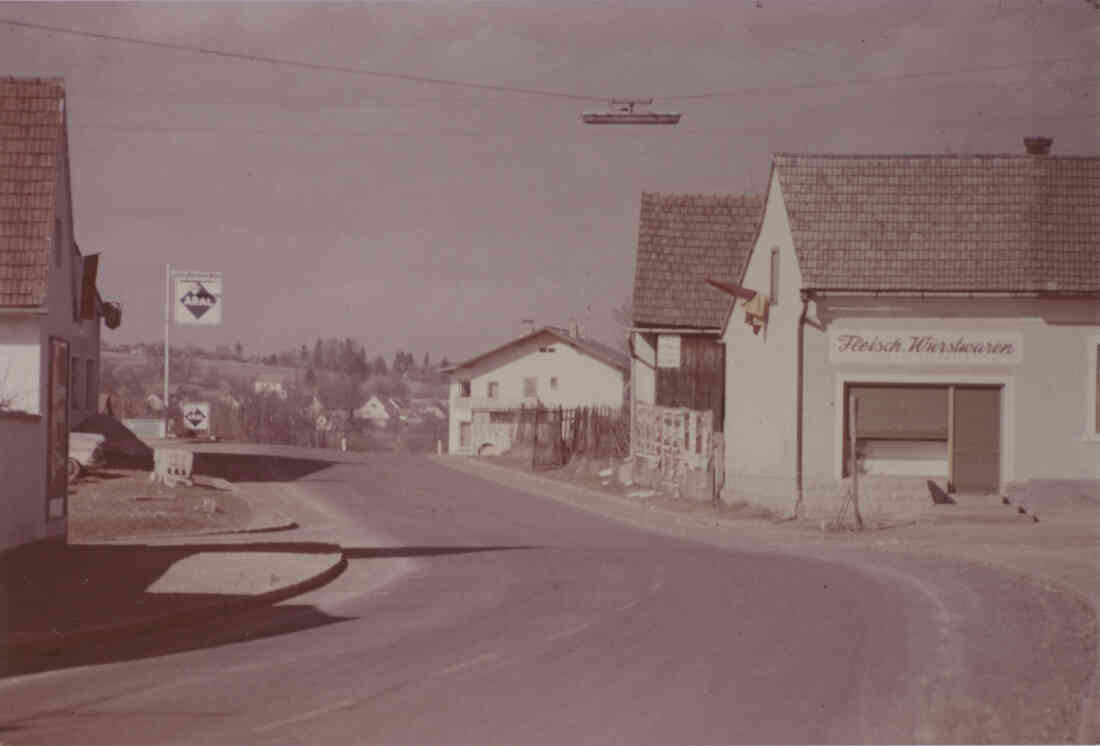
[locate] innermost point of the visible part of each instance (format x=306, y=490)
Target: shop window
x=464, y=389
x=530, y=387
x=900, y=430
x=493, y=389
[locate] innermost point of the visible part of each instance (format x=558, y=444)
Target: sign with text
x=923, y=347
x=668, y=350
x=197, y=298
x=196, y=414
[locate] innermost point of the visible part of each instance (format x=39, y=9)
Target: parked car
x=85, y=452
x=122, y=449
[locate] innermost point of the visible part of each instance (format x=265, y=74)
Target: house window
x=90, y=383
x=464, y=390
x=554, y=383
x=529, y=387
x=75, y=386
x=494, y=389
x=773, y=287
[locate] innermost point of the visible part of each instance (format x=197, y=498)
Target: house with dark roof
x=677, y=359
x=550, y=366
x=925, y=319
x=50, y=312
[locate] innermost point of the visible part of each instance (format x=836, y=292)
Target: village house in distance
x=954, y=298
x=50, y=312
x=551, y=366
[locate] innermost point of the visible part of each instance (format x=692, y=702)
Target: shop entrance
x=976, y=441
x=950, y=433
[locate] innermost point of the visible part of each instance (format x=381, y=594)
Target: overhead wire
x=318, y=66
x=521, y=90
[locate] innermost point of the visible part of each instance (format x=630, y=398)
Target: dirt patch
x=119, y=502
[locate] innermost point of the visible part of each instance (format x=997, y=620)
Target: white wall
x=760, y=373
x=643, y=374
x=582, y=380
x=1045, y=395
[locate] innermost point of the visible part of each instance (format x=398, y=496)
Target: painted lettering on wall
x=938, y=347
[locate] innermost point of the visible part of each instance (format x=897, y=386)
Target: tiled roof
x=1013, y=223
x=31, y=123
x=591, y=347
x=683, y=240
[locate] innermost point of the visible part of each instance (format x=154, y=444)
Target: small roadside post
x=853, y=411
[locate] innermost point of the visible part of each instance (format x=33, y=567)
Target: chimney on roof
x=1038, y=145
x=527, y=326
x=574, y=329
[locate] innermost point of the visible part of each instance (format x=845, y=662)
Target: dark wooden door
x=976, y=445
x=699, y=382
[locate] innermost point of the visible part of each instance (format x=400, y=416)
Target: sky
x=416, y=175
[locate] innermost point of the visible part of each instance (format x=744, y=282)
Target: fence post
x=535, y=439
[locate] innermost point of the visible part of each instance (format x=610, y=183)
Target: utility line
x=301, y=63
x=322, y=67
x=869, y=80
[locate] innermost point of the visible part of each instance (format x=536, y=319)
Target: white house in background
x=549, y=366
x=377, y=409
x=274, y=383
x=49, y=313
x=430, y=408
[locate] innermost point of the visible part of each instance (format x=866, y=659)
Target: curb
x=199, y=613
x=287, y=525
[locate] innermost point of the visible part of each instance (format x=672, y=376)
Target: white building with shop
x=955, y=298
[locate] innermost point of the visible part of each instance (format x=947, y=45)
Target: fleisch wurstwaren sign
x=914, y=346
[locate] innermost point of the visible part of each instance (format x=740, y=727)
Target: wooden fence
x=558, y=434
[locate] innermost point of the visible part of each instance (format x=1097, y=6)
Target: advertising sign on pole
x=196, y=414
x=197, y=298
x=668, y=351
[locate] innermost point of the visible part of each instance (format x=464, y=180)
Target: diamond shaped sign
x=198, y=298
x=196, y=414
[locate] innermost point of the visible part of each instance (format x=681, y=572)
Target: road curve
x=475, y=613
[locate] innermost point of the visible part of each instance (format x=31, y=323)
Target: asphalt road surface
x=475, y=613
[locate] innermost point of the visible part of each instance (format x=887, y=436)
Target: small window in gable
x=529, y=387
x=554, y=383
x=464, y=390
x=493, y=389
x=773, y=287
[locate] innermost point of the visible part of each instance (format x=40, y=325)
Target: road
x=476, y=613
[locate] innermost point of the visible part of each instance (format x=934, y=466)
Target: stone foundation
x=879, y=496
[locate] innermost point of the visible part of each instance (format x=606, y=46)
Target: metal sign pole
x=167, y=321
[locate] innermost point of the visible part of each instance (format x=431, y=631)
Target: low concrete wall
x=879, y=495
x=23, y=482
